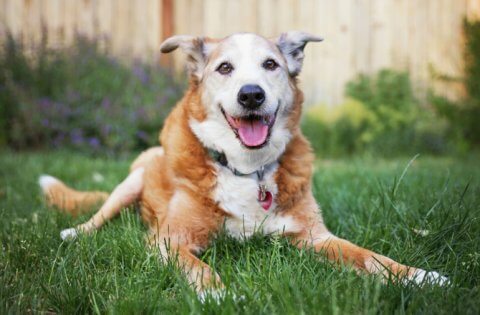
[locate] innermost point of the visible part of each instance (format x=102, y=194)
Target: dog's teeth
x=265, y=120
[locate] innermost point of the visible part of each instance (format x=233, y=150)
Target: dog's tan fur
x=174, y=185
x=69, y=200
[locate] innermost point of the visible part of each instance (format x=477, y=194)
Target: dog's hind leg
x=127, y=192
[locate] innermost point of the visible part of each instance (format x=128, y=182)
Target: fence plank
x=103, y=21
x=3, y=26
x=473, y=9
x=267, y=18
x=361, y=36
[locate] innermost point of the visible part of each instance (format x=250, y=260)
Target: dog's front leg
x=199, y=274
x=184, y=229
x=343, y=251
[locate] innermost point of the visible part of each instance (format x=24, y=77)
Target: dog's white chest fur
x=238, y=196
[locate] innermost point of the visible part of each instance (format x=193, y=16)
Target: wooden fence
x=361, y=36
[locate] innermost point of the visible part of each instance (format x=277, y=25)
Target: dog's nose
x=251, y=96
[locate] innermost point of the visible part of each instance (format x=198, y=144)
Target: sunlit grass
x=429, y=219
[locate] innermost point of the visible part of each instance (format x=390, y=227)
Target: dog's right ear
x=196, y=48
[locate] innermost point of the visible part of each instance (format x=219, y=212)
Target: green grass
x=363, y=200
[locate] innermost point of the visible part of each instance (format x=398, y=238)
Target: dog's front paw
x=69, y=234
x=216, y=295
x=422, y=277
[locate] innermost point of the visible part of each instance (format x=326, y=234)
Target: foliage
x=427, y=218
x=80, y=97
x=386, y=91
x=463, y=115
x=339, y=130
x=381, y=116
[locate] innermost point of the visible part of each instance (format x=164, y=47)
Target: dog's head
x=247, y=87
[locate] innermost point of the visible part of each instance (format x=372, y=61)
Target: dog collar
x=265, y=197
x=221, y=158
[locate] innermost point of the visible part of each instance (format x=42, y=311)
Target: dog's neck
x=221, y=159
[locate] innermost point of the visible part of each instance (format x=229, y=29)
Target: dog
x=233, y=158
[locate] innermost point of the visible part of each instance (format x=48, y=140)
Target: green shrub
x=463, y=115
x=80, y=97
x=387, y=88
x=380, y=116
x=339, y=130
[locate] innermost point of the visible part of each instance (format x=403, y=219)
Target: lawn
x=427, y=216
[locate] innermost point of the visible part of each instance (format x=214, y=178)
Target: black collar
x=221, y=158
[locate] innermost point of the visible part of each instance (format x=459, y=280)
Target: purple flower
x=106, y=130
x=141, y=74
x=45, y=103
x=106, y=103
x=113, y=61
x=169, y=91
x=58, y=140
x=76, y=136
x=73, y=96
x=141, y=113
x=142, y=135
x=94, y=142
x=162, y=100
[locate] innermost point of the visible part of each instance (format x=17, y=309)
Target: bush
x=381, y=116
x=387, y=91
x=339, y=130
x=79, y=97
x=463, y=115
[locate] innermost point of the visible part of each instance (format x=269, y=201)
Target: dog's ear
x=291, y=44
x=196, y=48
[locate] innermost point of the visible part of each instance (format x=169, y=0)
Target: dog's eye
x=225, y=68
x=270, y=64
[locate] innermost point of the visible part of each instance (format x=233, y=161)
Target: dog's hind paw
x=69, y=234
x=422, y=277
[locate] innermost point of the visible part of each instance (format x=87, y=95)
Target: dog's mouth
x=253, y=130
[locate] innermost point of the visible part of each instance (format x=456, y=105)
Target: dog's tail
x=67, y=199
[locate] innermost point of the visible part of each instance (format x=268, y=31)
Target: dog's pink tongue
x=252, y=132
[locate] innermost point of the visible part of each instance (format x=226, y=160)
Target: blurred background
x=393, y=77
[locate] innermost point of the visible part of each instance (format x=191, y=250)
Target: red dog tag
x=265, y=198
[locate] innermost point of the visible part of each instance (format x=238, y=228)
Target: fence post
x=167, y=16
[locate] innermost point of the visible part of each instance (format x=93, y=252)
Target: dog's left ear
x=196, y=48
x=291, y=44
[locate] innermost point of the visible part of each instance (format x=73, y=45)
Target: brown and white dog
x=233, y=157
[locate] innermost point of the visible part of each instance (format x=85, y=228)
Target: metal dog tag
x=262, y=192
